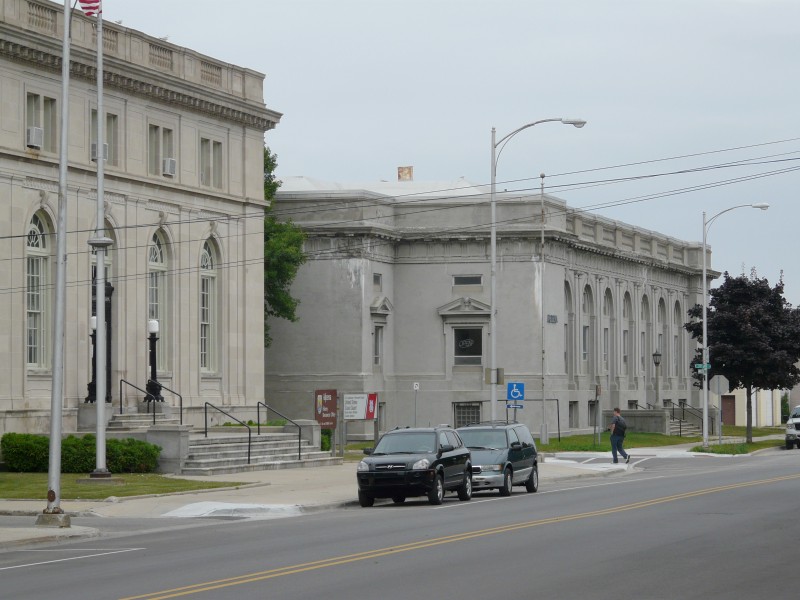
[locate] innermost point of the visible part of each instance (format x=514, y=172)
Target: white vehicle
x=793, y=429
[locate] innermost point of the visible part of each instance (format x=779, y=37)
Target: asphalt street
x=685, y=527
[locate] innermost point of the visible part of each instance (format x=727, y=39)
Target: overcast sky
x=366, y=86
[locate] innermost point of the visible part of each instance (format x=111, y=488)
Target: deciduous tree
x=753, y=336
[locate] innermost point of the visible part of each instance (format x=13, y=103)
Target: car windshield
x=484, y=438
x=407, y=443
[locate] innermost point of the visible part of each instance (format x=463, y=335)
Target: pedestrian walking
x=618, y=428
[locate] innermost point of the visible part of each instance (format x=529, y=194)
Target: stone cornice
x=44, y=59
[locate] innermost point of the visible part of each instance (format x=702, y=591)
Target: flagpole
x=100, y=242
x=53, y=515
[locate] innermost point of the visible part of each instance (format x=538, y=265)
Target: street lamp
x=657, y=363
x=706, y=365
x=493, y=243
x=153, y=387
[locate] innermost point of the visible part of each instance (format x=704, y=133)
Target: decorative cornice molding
x=52, y=62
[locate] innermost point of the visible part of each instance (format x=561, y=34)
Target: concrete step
x=227, y=461
x=263, y=466
x=240, y=451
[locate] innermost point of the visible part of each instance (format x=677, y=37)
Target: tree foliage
x=753, y=336
x=283, y=255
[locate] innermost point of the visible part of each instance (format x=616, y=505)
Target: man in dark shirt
x=617, y=428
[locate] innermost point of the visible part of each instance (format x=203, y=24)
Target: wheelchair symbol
x=515, y=391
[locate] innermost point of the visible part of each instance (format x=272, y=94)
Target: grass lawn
x=588, y=442
x=738, y=448
x=22, y=486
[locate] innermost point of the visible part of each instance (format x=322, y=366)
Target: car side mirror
x=368, y=451
x=446, y=448
x=516, y=446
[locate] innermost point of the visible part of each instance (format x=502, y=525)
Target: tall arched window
x=587, y=340
x=627, y=327
x=208, y=308
x=568, y=324
x=37, y=291
x=679, y=365
x=645, y=322
x=158, y=295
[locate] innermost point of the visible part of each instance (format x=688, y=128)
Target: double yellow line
x=449, y=539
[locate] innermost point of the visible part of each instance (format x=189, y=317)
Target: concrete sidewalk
x=261, y=494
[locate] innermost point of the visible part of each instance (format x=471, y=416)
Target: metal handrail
x=249, y=431
x=180, y=398
x=674, y=418
x=145, y=392
x=695, y=413
x=299, y=429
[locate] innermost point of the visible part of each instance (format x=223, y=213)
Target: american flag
x=90, y=7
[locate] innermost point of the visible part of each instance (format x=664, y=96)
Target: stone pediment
x=381, y=306
x=465, y=307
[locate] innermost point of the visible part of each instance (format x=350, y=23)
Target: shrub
x=29, y=453
x=325, y=439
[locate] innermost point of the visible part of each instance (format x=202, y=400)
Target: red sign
x=372, y=406
x=325, y=408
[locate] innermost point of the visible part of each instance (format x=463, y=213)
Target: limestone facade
x=396, y=292
x=184, y=205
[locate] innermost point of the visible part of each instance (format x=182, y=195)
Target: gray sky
x=366, y=86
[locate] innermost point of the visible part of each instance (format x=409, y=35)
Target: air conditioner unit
x=94, y=152
x=34, y=138
x=169, y=166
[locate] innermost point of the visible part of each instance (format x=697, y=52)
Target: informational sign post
x=325, y=408
x=360, y=407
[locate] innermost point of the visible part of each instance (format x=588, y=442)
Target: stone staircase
x=220, y=454
x=684, y=429
x=138, y=421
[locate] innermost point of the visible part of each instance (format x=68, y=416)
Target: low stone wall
x=645, y=421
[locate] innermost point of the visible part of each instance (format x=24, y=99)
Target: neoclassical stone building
x=184, y=206
x=396, y=292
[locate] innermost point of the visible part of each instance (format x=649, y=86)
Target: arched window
x=677, y=346
x=208, y=308
x=587, y=312
x=568, y=324
x=37, y=291
x=158, y=295
x=645, y=321
x=627, y=327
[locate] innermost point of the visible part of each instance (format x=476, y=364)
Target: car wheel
x=506, y=489
x=365, y=499
x=789, y=445
x=398, y=499
x=465, y=490
x=532, y=484
x=436, y=494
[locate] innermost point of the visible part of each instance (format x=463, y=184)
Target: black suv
x=422, y=461
x=503, y=455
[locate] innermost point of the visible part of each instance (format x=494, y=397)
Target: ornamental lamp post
x=493, y=244
x=153, y=387
x=657, y=363
x=706, y=363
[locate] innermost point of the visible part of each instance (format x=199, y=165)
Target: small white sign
x=416, y=386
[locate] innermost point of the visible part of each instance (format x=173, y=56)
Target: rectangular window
x=111, y=134
x=641, y=352
x=41, y=113
x=465, y=413
x=573, y=415
x=625, y=350
x=377, y=346
x=160, y=147
x=155, y=300
x=605, y=348
x=377, y=282
x=467, y=280
x=566, y=347
x=675, y=356
x=468, y=346
x=210, y=163
x=207, y=302
x=585, y=343
x=36, y=315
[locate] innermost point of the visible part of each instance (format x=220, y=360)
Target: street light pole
x=493, y=251
x=657, y=363
x=706, y=225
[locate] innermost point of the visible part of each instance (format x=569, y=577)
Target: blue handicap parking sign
x=515, y=391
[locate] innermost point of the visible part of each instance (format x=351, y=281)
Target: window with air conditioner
x=161, y=157
x=111, y=135
x=41, y=123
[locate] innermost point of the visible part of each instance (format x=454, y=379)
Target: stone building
x=184, y=206
x=395, y=299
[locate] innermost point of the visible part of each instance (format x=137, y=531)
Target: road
x=679, y=528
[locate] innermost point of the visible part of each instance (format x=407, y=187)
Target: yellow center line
x=418, y=545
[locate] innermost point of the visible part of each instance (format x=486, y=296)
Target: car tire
x=505, y=490
x=465, y=490
x=532, y=483
x=789, y=445
x=436, y=493
x=365, y=500
x=398, y=499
